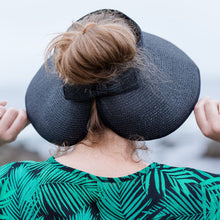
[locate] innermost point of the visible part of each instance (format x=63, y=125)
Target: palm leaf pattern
x=49, y=190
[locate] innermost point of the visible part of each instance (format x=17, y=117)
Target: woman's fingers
x=19, y=123
x=208, y=117
x=2, y=111
x=3, y=103
x=200, y=114
x=8, y=119
x=12, y=122
x=211, y=111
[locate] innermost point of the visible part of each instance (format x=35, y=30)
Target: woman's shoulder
x=184, y=191
x=184, y=179
x=18, y=168
x=181, y=172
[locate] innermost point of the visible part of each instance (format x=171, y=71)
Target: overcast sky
x=27, y=26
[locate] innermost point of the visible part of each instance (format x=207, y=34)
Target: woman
x=101, y=98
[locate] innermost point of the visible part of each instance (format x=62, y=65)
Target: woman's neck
x=111, y=156
x=110, y=144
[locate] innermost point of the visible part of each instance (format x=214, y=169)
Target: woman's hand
x=207, y=113
x=12, y=121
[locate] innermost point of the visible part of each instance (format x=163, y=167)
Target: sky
x=27, y=26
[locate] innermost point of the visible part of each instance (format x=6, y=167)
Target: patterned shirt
x=49, y=190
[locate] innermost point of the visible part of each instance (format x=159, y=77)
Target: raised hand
x=207, y=113
x=12, y=121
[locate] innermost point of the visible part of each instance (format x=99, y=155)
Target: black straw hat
x=151, y=102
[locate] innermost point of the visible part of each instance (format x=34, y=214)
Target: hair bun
x=93, y=52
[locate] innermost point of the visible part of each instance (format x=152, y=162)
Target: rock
x=213, y=149
x=11, y=153
x=167, y=142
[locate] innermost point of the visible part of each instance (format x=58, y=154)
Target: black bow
x=123, y=83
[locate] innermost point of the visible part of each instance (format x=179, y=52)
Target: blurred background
x=28, y=26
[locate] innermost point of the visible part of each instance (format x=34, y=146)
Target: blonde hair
x=91, y=52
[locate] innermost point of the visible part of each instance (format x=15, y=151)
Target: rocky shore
x=213, y=150
x=11, y=152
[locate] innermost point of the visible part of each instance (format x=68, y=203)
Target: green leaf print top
x=50, y=190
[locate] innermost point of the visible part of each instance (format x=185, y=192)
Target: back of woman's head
x=94, y=49
x=93, y=52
